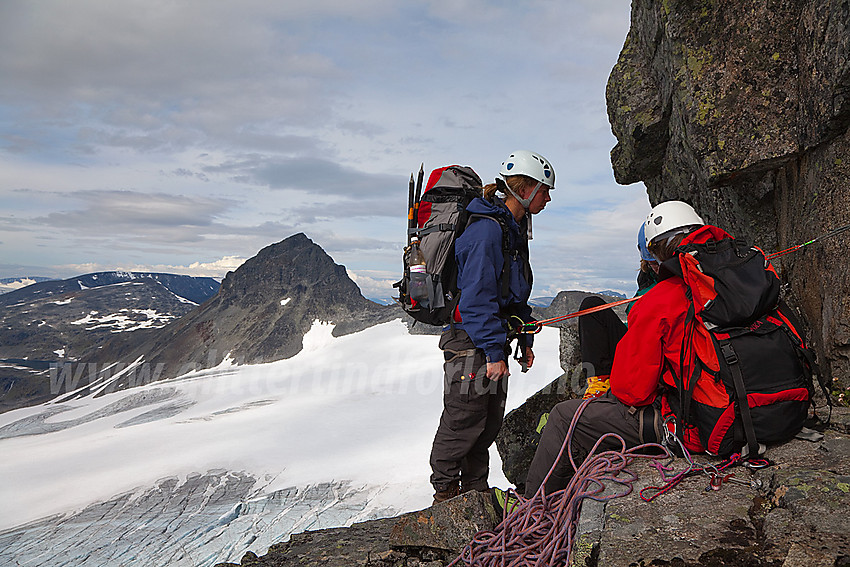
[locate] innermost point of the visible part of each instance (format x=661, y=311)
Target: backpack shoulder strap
x=507, y=252
x=732, y=362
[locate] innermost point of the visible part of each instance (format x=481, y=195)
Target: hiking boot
x=447, y=494
x=503, y=500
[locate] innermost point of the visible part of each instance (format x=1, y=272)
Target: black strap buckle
x=729, y=354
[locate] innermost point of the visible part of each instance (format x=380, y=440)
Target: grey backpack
x=437, y=219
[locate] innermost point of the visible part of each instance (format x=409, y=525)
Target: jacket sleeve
x=479, y=259
x=639, y=358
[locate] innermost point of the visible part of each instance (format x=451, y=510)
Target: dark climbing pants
x=605, y=414
x=599, y=334
x=473, y=409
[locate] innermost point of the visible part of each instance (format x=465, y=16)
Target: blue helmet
x=641, y=244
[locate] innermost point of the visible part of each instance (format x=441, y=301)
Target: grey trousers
x=473, y=410
x=605, y=414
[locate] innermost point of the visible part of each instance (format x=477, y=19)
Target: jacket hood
x=704, y=234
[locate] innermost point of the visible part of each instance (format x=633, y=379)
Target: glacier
x=199, y=469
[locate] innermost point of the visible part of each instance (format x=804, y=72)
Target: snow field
x=361, y=408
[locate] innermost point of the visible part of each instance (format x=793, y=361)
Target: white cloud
x=213, y=269
x=377, y=285
x=216, y=269
x=160, y=133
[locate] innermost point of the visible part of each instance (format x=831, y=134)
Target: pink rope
x=541, y=530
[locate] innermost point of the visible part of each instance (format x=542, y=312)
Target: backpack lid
x=730, y=282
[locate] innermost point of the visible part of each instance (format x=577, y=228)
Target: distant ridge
x=541, y=301
x=612, y=293
x=194, y=289
x=11, y=284
x=64, y=321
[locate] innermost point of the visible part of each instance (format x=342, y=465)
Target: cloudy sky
x=186, y=136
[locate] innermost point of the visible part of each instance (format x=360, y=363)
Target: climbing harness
x=541, y=530
x=535, y=327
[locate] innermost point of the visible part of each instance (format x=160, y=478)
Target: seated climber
x=660, y=347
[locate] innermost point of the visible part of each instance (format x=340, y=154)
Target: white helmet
x=524, y=162
x=667, y=217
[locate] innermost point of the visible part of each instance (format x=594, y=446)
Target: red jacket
x=650, y=351
x=651, y=347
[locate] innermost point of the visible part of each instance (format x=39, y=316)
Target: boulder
x=445, y=527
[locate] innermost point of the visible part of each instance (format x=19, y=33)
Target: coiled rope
x=541, y=530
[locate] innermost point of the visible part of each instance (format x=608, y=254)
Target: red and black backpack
x=746, y=371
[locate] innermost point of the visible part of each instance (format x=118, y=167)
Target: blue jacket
x=480, y=259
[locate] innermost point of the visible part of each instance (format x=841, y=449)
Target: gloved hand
x=596, y=386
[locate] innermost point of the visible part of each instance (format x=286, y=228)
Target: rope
x=798, y=246
x=536, y=326
x=541, y=530
x=669, y=481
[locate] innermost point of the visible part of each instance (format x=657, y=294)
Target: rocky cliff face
x=742, y=109
x=260, y=313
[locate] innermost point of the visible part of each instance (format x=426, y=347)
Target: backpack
x=438, y=218
x=746, y=371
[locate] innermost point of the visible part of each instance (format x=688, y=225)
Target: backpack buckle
x=729, y=354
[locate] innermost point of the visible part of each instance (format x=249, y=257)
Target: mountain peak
x=263, y=309
x=292, y=268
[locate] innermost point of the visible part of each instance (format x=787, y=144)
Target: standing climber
x=494, y=278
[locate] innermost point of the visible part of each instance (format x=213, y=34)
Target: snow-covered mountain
x=260, y=314
x=189, y=289
x=198, y=469
x=55, y=321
